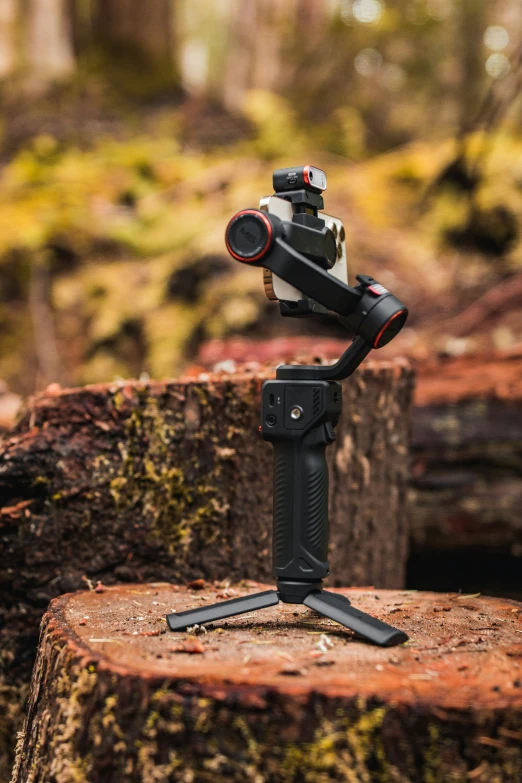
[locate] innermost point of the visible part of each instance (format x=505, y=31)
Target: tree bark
x=280, y=697
x=471, y=23
x=171, y=481
x=49, y=42
x=467, y=454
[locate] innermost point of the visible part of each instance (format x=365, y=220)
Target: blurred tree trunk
x=8, y=19
x=228, y=48
x=137, y=27
x=472, y=21
x=49, y=49
x=81, y=15
x=256, y=34
x=241, y=35
x=260, y=35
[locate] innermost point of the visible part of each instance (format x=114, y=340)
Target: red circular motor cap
x=249, y=242
x=387, y=324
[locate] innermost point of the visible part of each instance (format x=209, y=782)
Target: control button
x=296, y=413
x=372, y=285
x=378, y=289
x=365, y=280
x=271, y=420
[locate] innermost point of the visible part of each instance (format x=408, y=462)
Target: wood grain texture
x=467, y=454
x=279, y=695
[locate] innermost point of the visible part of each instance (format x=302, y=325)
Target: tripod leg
x=178, y=621
x=332, y=606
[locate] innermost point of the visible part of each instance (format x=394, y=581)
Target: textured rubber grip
x=300, y=543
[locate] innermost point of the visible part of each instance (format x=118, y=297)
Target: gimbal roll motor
x=303, y=254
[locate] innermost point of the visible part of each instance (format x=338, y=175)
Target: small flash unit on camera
x=308, y=177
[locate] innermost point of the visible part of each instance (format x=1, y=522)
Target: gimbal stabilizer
x=299, y=412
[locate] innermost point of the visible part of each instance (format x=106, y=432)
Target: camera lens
x=310, y=176
x=333, y=228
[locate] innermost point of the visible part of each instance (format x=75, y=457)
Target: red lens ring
x=305, y=176
x=268, y=225
x=386, y=325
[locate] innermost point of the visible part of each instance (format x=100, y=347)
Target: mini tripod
x=300, y=409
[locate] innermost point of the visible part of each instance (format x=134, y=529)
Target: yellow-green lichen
x=346, y=748
x=153, y=476
x=73, y=689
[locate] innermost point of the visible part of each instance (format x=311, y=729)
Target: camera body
x=297, y=200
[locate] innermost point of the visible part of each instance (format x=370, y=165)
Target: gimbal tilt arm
x=368, y=309
x=300, y=409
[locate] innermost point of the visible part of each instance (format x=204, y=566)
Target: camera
x=297, y=200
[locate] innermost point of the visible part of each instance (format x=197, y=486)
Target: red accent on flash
x=374, y=290
x=305, y=176
x=268, y=225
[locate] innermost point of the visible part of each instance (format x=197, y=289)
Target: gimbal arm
x=310, y=278
x=371, y=312
x=356, y=352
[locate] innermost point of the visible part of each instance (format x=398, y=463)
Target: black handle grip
x=300, y=544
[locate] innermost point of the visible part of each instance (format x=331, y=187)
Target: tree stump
x=171, y=480
x=276, y=696
x=467, y=454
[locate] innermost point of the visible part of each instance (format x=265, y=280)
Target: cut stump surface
x=277, y=695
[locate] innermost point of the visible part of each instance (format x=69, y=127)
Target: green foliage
x=119, y=225
x=276, y=127
x=113, y=224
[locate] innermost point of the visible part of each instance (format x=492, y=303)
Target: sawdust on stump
x=277, y=695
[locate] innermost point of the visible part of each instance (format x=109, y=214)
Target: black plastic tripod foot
x=178, y=621
x=338, y=608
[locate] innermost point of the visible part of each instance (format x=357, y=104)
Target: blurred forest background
x=131, y=131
